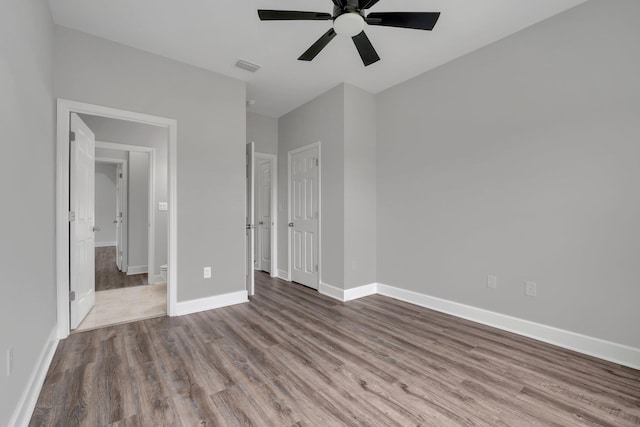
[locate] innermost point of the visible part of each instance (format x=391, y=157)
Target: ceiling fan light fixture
x=349, y=24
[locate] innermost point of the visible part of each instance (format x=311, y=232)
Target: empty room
x=332, y=212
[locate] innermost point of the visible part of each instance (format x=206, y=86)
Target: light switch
x=163, y=206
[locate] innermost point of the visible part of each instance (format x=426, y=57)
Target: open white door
x=304, y=199
x=264, y=227
x=118, y=218
x=82, y=220
x=249, y=220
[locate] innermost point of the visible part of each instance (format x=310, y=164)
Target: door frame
x=290, y=212
x=123, y=163
x=274, y=208
x=151, y=239
x=64, y=108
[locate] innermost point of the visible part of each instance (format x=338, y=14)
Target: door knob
x=248, y=226
x=261, y=223
x=95, y=228
x=290, y=224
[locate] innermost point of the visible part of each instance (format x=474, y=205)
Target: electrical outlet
x=530, y=289
x=207, y=272
x=492, y=282
x=163, y=206
x=9, y=360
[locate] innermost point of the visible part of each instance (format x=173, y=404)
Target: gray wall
x=211, y=115
x=27, y=179
x=343, y=119
x=105, y=202
x=360, y=242
x=138, y=207
x=132, y=133
x=321, y=119
x=262, y=130
x=522, y=160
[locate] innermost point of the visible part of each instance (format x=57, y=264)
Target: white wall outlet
x=163, y=206
x=207, y=272
x=9, y=360
x=492, y=282
x=530, y=289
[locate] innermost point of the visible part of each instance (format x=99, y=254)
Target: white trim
x=210, y=303
x=348, y=294
x=274, y=209
x=27, y=403
x=156, y=280
x=289, y=254
x=613, y=352
x=64, y=109
x=137, y=269
x=283, y=274
x=104, y=244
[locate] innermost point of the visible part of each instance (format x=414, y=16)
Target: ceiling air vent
x=246, y=65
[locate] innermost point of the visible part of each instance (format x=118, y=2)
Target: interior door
x=249, y=218
x=82, y=221
x=264, y=215
x=304, y=221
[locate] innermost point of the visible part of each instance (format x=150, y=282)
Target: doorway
x=65, y=220
x=266, y=212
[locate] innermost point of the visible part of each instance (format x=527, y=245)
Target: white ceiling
x=213, y=34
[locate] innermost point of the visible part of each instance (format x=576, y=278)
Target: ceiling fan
x=348, y=20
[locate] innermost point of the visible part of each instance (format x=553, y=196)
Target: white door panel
x=304, y=222
x=82, y=236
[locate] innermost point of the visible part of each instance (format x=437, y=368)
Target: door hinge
x=72, y=136
x=121, y=175
x=317, y=267
x=72, y=296
x=317, y=161
x=72, y=216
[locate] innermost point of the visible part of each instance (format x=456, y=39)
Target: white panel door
x=250, y=215
x=264, y=215
x=82, y=204
x=304, y=199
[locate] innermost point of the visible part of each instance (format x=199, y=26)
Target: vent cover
x=246, y=65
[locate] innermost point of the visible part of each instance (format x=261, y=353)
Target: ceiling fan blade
x=315, y=49
x=415, y=20
x=365, y=49
x=366, y=4
x=292, y=15
x=340, y=3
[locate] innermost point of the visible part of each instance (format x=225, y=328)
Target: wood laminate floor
x=293, y=357
x=107, y=274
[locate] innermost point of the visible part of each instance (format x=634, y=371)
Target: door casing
x=64, y=108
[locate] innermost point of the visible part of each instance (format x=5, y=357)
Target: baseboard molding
x=613, y=352
x=347, y=294
x=104, y=244
x=27, y=403
x=156, y=280
x=210, y=303
x=137, y=269
x=284, y=275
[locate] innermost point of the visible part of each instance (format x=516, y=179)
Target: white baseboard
x=613, y=352
x=284, y=275
x=156, y=280
x=104, y=244
x=137, y=269
x=347, y=294
x=27, y=403
x=210, y=303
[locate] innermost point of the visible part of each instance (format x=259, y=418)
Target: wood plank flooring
x=293, y=357
x=109, y=277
